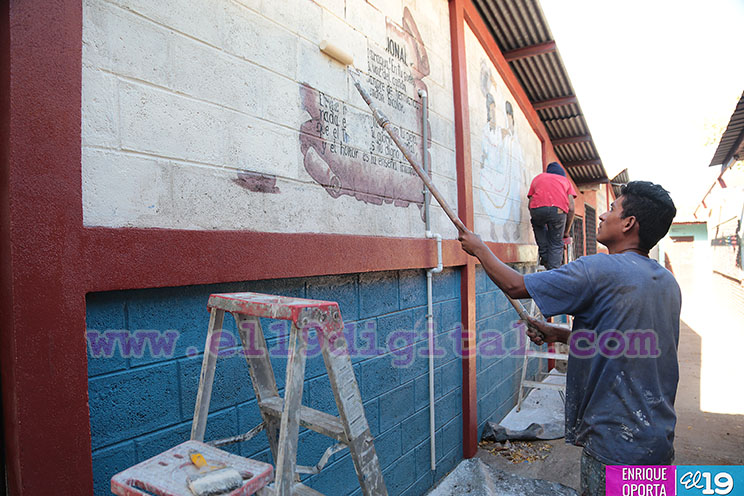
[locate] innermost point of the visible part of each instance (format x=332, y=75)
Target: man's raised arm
x=509, y=280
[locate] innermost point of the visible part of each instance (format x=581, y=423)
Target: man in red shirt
x=551, y=210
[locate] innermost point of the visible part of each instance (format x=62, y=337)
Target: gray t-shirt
x=622, y=370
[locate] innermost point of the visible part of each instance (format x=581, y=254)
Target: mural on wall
x=344, y=149
x=237, y=110
x=502, y=163
x=506, y=152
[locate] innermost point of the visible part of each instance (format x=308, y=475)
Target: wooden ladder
x=550, y=354
x=282, y=417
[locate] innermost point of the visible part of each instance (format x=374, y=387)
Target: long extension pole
x=384, y=123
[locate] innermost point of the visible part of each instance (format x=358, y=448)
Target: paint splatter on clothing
x=622, y=370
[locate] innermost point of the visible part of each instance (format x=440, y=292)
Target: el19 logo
x=723, y=481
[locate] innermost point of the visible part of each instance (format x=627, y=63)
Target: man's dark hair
x=653, y=209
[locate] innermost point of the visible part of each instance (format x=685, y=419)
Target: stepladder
x=283, y=416
x=554, y=380
x=555, y=351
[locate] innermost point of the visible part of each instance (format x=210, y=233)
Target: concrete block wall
x=180, y=100
x=141, y=404
x=499, y=362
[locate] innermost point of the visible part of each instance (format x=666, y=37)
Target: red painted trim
x=44, y=372
x=116, y=259
x=506, y=252
x=465, y=209
x=462, y=115
x=129, y=258
x=6, y=276
x=469, y=361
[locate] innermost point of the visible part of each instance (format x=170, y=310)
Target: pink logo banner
x=640, y=480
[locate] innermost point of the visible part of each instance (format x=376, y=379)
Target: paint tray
x=166, y=474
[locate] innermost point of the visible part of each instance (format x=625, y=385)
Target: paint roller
x=212, y=480
x=346, y=59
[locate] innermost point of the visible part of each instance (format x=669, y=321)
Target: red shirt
x=550, y=190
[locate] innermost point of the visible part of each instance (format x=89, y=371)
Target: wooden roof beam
x=570, y=140
x=589, y=180
x=555, y=102
x=530, y=51
x=582, y=163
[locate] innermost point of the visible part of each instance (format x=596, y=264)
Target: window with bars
x=591, y=229
x=577, y=234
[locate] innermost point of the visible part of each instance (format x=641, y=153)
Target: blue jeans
x=548, y=223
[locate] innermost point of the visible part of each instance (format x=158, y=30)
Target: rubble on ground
x=519, y=451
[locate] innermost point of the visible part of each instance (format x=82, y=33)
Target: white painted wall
x=602, y=200
x=204, y=115
x=506, y=152
x=726, y=211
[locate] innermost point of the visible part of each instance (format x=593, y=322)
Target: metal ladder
x=282, y=417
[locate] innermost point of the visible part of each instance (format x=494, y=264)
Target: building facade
x=159, y=152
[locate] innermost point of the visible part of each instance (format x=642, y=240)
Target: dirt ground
x=560, y=465
x=710, y=403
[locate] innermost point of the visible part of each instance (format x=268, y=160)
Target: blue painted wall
x=142, y=405
x=499, y=362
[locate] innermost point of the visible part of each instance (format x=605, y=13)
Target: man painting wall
x=619, y=395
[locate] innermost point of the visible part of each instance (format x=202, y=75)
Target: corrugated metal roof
x=732, y=141
x=618, y=182
x=523, y=36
